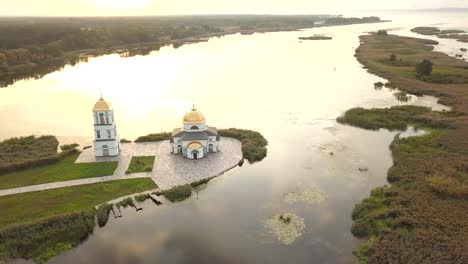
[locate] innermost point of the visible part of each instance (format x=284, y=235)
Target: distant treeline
x=33, y=47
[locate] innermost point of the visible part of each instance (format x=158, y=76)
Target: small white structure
x=107, y=142
x=195, y=139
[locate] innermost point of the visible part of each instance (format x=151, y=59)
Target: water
x=272, y=83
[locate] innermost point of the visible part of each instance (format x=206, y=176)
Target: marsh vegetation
x=412, y=219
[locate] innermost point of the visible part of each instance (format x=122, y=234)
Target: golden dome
x=101, y=105
x=194, y=117
x=194, y=145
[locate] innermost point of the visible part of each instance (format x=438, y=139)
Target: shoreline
x=144, y=48
x=428, y=180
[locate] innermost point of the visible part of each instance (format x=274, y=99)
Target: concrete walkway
x=55, y=185
x=169, y=170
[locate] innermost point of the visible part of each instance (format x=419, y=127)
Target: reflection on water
x=272, y=83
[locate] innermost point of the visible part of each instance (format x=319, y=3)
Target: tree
x=424, y=68
x=392, y=57
x=382, y=32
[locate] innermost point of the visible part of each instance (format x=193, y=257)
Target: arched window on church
x=194, y=128
x=102, y=119
x=179, y=149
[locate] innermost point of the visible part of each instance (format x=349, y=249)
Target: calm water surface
x=273, y=83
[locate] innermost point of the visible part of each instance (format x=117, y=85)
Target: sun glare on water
x=120, y=4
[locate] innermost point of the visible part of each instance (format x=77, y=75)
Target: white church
x=106, y=138
x=194, y=140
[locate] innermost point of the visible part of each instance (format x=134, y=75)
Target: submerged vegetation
x=286, y=227
x=253, y=143
x=140, y=164
x=309, y=196
x=420, y=217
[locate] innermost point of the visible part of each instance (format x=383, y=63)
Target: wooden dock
x=136, y=204
x=116, y=211
x=155, y=199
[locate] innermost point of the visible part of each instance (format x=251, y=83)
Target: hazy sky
x=165, y=7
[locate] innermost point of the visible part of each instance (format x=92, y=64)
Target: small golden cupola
x=101, y=105
x=194, y=117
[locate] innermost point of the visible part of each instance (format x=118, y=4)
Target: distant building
x=195, y=139
x=106, y=141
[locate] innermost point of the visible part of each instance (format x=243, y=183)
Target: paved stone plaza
x=171, y=169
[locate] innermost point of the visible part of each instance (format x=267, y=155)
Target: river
x=289, y=90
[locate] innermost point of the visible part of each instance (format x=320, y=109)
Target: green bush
x=154, y=137
x=378, y=85
x=253, y=143
x=424, y=68
x=178, y=193
x=103, y=214
x=142, y=197
x=200, y=182
x=68, y=147
x=126, y=202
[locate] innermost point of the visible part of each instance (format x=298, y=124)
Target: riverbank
x=421, y=216
x=68, y=42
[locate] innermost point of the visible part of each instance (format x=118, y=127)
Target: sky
x=171, y=7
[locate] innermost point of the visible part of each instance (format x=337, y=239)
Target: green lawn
x=29, y=207
x=141, y=164
x=64, y=170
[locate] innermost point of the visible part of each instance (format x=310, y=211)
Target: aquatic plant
x=286, y=227
x=309, y=196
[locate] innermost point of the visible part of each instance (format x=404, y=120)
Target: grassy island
x=421, y=216
x=316, y=37
x=459, y=35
